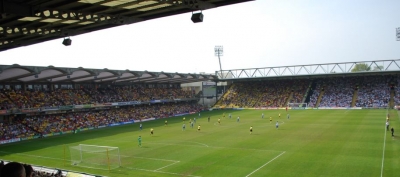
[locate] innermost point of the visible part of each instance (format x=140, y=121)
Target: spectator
x=13, y=169
x=28, y=170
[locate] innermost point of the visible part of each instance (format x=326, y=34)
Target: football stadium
x=328, y=119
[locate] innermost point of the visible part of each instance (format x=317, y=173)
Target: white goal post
x=92, y=156
x=298, y=105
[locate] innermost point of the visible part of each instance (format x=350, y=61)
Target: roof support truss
x=314, y=69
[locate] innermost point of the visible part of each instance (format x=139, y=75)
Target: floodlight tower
x=219, y=52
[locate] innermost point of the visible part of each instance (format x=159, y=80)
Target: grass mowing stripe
x=265, y=164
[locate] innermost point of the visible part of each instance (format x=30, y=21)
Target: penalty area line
x=160, y=172
x=167, y=160
x=167, y=166
x=266, y=164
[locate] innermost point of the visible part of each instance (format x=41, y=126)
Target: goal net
x=92, y=156
x=297, y=105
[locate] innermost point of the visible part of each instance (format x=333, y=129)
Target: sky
x=261, y=33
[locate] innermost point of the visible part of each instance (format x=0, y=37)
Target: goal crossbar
x=297, y=105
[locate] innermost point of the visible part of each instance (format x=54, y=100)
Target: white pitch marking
x=198, y=143
x=29, y=155
x=265, y=164
x=167, y=160
x=383, y=154
x=167, y=166
x=161, y=172
x=384, y=144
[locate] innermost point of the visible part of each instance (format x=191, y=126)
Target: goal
x=92, y=156
x=297, y=105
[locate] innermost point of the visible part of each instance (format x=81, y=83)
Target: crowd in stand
x=338, y=92
x=397, y=92
x=315, y=93
x=373, y=92
x=5, y=103
x=52, y=123
x=10, y=98
x=274, y=93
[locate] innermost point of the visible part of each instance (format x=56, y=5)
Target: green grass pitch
x=312, y=143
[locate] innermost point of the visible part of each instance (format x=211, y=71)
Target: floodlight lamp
x=219, y=50
x=67, y=41
x=197, y=17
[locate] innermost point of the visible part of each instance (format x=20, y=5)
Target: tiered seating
x=17, y=129
x=315, y=94
x=5, y=103
x=61, y=97
x=265, y=93
x=299, y=89
x=42, y=99
x=397, y=92
x=373, y=91
x=45, y=124
x=18, y=98
x=338, y=92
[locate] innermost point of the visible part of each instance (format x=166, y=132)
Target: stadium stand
x=28, y=126
x=397, y=92
x=315, y=94
x=368, y=91
x=373, y=91
x=338, y=92
x=275, y=93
